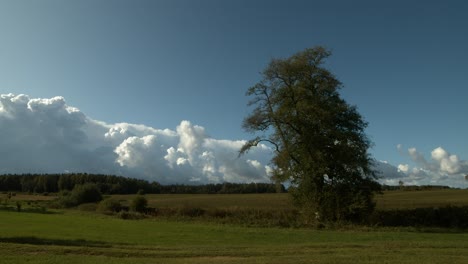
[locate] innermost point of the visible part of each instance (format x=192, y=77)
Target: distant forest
x=111, y=184
x=414, y=187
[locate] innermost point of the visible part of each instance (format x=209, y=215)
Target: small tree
x=86, y=193
x=401, y=184
x=18, y=206
x=321, y=147
x=139, y=204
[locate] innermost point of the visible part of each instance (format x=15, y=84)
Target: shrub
x=446, y=217
x=139, y=204
x=86, y=193
x=141, y=192
x=110, y=205
x=18, y=206
x=130, y=215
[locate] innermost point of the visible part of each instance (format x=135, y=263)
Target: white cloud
x=47, y=135
x=442, y=168
x=447, y=163
x=403, y=168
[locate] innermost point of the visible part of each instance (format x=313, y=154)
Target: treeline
x=52, y=183
x=111, y=184
x=223, y=188
x=414, y=187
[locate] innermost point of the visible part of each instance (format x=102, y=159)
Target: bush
x=141, y=192
x=130, y=215
x=18, y=206
x=86, y=193
x=446, y=217
x=65, y=201
x=110, y=205
x=139, y=204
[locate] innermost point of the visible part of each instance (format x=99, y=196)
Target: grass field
x=72, y=236
x=77, y=237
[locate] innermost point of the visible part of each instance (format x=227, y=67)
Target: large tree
x=321, y=146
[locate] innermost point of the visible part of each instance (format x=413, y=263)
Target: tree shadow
x=32, y=240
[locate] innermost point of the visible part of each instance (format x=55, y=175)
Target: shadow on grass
x=32, y=240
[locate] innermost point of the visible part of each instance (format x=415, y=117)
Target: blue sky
x=403, y=63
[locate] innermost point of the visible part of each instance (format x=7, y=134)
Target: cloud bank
x=48, y=136
x=443, y=168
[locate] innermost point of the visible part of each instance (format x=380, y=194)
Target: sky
x=156, y=89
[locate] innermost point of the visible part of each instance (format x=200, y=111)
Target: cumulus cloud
x=443, y=168
x=47, y=135
x=441, y=162
x=446, y=162
x=403, y=168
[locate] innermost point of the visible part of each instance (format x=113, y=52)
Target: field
x=387, y=200
x=76, y=237
x=421, y=199
x=71, y=236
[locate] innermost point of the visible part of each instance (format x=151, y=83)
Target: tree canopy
x=321, y=146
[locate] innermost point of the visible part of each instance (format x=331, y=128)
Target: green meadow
x=77, y=237
x=74, y=236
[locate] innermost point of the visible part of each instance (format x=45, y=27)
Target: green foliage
x=81, y=194
x=445, y=217
x=109, y=184
x=321, y=147
x=18, y=206
x=86, y=193
x=64, y=201
x=138, y=204
x=110, y=205
x=130, y=215
x=39, y=183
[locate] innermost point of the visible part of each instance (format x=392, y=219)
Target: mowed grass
x=77, y=237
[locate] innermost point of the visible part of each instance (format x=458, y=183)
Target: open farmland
x=72, y=236
x=385, y=201
x=281, y=201
x=422, y=199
